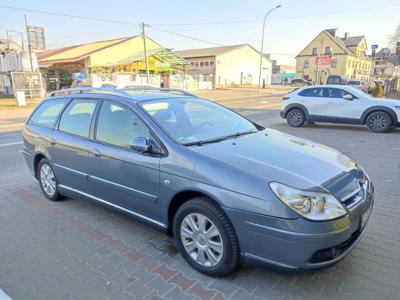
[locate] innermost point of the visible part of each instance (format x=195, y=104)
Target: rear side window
x=47, y=113
x=312, y=92
x=77, y=117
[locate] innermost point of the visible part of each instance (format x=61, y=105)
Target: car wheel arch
x=38, y=157
x=373, y=109
x=182, y=197
x=298, y=106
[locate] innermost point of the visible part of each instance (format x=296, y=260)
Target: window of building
x=196, y=64
x=349, y=64
x=306, y=64
x=202, y=64
x=314, y=51
x=211, y=64
x=334, y=63
x=353, y=64
x=77, y=117
x=206, y=64
x=328, y=51
x=118, y=125
x=47, y=113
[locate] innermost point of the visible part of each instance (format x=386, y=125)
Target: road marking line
x=8, y=135
x=11, y=144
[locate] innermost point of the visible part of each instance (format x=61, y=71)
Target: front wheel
x=296, y=117
x=379, y=122
x=206, y=238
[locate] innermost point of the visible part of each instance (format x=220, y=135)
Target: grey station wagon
x=228, y=190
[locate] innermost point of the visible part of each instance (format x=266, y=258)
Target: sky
x=288, y=29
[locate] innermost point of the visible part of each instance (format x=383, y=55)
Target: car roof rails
x=117, y=91
x=82, y=90
x=150, y=88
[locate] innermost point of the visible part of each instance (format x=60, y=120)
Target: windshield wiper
x=216, y=140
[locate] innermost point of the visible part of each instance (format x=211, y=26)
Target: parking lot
x=78, y=250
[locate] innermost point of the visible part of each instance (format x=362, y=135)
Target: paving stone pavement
x=74, y=249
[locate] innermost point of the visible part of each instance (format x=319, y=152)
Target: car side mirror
x=140, y=144
x=348, y=97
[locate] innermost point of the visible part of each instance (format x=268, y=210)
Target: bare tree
x=395, y=37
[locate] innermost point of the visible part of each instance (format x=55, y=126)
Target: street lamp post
x=262, y=45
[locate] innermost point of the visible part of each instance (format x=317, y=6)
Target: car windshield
x=192, y=121
x=353, y=82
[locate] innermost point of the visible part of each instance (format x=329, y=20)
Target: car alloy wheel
x=296, y=118
x=205, y=237
x=47, y=179
x=202, y=240
x=379, y=122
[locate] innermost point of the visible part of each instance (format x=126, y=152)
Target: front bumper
x=298, y=243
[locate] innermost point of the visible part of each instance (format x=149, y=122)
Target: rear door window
x=47, y=113
x=77, y=117
x=312, y=92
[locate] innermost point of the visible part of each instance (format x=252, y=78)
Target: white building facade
x=229, y=66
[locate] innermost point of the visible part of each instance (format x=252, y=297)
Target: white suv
x=340, y=104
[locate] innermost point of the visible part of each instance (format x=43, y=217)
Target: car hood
x=270, y=155
x=387, y=101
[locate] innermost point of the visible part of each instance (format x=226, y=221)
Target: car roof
x=133, y=94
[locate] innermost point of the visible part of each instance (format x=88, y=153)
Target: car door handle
x=96, y=152
x=52, y=141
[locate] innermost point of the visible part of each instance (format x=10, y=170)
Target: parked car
x=227, y=189
x=335, y=79
x=359, y=85
x=340, y=104
x=300, y=82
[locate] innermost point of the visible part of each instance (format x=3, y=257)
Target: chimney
x=332, y=31
x=346, y=35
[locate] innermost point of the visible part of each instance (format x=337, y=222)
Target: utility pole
x=29, y=43
x=262, y=45
x=146, y=61
x=316, y=75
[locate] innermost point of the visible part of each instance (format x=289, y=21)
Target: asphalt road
x=78, y=250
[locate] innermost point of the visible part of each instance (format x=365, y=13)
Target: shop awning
x=166, y=58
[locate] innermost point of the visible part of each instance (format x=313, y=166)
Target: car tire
x=206, y=238
x=48, y=181
x=379, y=122
x=296, y=117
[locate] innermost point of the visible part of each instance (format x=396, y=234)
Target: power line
x=281, y=18
x=66, y=15
x=87, y=34
x=185, y=36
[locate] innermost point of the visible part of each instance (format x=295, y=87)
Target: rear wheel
x=48, y=181
x=206, y=238
x=379, y=121
x=296, y=117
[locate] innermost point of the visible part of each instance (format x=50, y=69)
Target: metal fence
x=31, y=83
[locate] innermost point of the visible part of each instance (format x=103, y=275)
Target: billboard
x=36, y=38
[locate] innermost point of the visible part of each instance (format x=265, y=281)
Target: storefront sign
x=323, y=60
x=161, y=64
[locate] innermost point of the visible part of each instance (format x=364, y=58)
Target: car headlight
x=312, y=206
